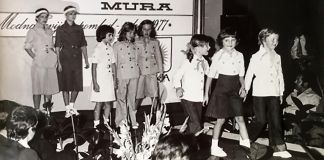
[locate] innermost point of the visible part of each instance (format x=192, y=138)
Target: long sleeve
x=177, y=78
x=281, y=79
x=158, y=55
x=249, y=74
x=115, y=50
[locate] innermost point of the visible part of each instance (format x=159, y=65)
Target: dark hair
x=173, y=146
x=68, y=7
x=225, y=33
x=19, y=121
x=102, y=31
x=39, y=9
x=127, y=27
x=144, y=22
x=197, y=40
x=264, y=33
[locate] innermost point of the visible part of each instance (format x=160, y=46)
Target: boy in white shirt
x=268, y=88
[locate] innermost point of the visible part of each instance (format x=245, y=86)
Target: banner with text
x=173, y=21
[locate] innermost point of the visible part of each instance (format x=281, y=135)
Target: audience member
x=20, y=128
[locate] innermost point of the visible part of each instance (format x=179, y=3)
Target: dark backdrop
x=249, y=16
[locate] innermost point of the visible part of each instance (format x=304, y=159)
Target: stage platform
x=229, y=140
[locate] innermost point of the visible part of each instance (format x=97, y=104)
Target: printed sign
x=173, y=21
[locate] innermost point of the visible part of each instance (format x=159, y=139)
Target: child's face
x=71, y=16
x=229, y=43
x=130, y=35
x=271, y=41
x=147, y=28
x=109, y=38
x=202, y=50
x=42, y=18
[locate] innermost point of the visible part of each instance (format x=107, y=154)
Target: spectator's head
x=105, y=33
x=21, y=123
x=301, y=83
x=173, y=147
x=127, y=32
x=268, y=38
x=146, y=29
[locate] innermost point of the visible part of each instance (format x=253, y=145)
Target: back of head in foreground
x=21, y=123
x=173, y=147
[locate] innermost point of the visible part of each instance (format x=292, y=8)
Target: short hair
x=144, y=22
x=102, y=31
x=225, y=33
x=197, y=40
x=68, y=7
x=19, y=121
x=127, y=27
x=264, y=33
x=171, y=147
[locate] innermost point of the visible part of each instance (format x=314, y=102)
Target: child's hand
x=296, y=41
x=59, y=67
x=242, y=92
x=179, y=92
x=96, y=87
x=302, y=41
x=205, y=101
x=160, y=76
x=86, y=65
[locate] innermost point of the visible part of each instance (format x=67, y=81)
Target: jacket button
x=131, y=66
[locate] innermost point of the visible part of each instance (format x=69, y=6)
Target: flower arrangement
x=141, y=150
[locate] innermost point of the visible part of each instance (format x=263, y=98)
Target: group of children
x=128, y=71
x=232, y=87
x=130, y=67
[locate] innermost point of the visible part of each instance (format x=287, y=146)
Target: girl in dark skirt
x=226, y=100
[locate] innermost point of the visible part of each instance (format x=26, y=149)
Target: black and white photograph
x=161, y=80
